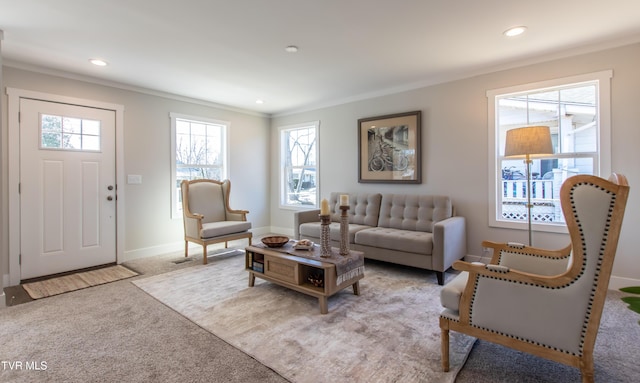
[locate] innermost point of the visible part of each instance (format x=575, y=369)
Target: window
x=199, y=150
x=69, y=133
x=577, y=111
x=299, y=160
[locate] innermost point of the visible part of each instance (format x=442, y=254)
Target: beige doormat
x=390, y=333
x=72, y=282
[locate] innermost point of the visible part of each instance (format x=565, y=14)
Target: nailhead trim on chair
x=531, y=255
x=593, y=287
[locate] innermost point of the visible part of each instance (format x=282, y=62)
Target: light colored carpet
x=77, y=281
x=389, y=333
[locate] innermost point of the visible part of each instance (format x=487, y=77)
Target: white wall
x=149, y=228
x=454, y=143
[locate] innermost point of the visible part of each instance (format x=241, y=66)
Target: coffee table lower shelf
x=293, y=272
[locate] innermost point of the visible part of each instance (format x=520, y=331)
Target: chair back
x=593, y=209
x=206, y=197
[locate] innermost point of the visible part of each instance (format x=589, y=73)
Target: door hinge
x=19, y=187
x=20, y=259
x=19, y=117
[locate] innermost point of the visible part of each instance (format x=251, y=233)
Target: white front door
x=67, y=187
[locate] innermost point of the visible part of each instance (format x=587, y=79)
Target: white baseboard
x=5, y=280
x=616, y=283
x=281, y=230
x=176, y=247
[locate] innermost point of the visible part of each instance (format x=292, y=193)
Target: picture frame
x=389, y=148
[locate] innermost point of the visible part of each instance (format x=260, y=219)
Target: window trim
x=175, y=213
x=603, y=79
x=315, y=124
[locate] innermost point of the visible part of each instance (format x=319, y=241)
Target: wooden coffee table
x=308, y=276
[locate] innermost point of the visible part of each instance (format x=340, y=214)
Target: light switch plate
x=134, y=179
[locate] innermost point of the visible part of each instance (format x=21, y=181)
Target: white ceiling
x=232, y=52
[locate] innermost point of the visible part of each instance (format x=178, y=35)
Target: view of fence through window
x=299, y=156
x=571, y=112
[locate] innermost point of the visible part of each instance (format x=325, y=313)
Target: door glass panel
x=69, y=133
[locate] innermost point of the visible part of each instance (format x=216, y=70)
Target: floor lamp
x=525, y=142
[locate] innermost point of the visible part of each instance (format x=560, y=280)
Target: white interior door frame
x=14, y=95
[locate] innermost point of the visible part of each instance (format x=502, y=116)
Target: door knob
x=110, y=187
x=109, y=198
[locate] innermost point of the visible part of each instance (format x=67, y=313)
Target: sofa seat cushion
x=312, y=229
x=418, y=242
x=216, y=229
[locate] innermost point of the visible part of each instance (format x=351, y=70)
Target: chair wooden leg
x=444, y=336
x=226, y=244
x=186, y=249
x=204, y=254
x=586, y=369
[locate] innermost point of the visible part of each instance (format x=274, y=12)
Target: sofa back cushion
x=364, y=208
x=413, y=212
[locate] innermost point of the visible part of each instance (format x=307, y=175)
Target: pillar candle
x=324, y=207
x=344, y=200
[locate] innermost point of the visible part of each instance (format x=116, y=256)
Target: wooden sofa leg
x=440, y=275
x=186, y=249
x=204, y=254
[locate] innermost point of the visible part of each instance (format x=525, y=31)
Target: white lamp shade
x=530, y=140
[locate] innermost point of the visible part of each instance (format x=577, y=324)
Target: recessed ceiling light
x=515, y=31
x=98, y=62
x=258, y=101
x=291, y=49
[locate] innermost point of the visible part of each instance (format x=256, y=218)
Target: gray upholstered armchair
x=544, y=302
x=208, y=219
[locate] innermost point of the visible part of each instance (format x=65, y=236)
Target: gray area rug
x=118, y=333
x=389, y=333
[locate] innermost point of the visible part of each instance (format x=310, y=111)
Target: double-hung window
x=199, y=150
x=299, y=165
x=577, y=111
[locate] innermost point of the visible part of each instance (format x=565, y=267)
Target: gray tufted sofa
x=414, y=230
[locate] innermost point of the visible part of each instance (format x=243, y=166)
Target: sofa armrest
x=304, y=216
x=449, y=242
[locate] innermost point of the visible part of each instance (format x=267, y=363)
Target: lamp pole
x=529, y=205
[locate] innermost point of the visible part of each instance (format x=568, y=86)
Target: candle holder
x=344, y=231
x=325, y=247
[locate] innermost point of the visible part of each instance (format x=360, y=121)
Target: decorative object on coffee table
x=344, y=225
x=325, y=221
x=275, y=241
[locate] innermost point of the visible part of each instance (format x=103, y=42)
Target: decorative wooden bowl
x=275, y=241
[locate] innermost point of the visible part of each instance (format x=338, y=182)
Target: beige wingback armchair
x=208, y=219
x=544, y=302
